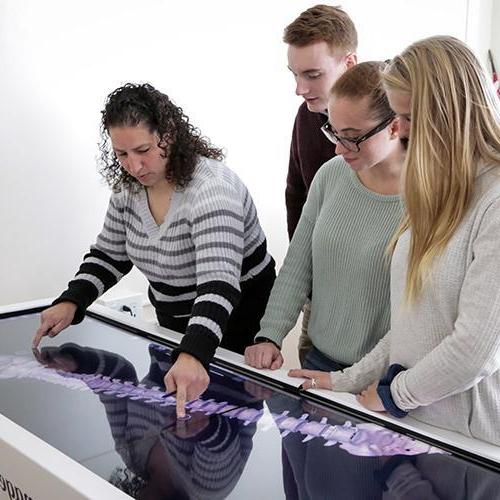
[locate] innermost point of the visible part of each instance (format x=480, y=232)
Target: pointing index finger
x=181, y=401
x=40, y=333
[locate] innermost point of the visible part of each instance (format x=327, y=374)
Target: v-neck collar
x=151, y=227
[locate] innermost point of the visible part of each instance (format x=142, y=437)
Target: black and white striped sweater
x=198, y=262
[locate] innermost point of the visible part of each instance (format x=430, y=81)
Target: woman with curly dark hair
x=187, y=222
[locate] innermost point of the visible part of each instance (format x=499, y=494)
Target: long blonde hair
x=455, y=125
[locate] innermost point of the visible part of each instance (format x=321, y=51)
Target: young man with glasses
x=322, y=44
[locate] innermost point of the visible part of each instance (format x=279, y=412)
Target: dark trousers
x=316, y=360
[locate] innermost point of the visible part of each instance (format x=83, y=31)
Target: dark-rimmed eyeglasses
x=353, y=144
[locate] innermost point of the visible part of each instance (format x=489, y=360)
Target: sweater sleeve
x=296, y=189
x=217, y=227
x=292, y=286
x=367, y=370
x=294, y=282
x=105, y=264
x=471, y=351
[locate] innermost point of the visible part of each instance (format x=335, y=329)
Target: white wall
x=222, y=61
x=495, y=33
x=479, y=27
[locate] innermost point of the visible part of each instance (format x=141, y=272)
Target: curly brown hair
x=134, y=104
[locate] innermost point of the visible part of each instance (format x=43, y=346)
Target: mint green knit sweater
x=338, y=253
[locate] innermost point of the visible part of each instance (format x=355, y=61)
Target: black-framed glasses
x=353, y=144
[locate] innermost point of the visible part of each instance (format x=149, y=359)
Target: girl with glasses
x=440, y=360
x=336, y=255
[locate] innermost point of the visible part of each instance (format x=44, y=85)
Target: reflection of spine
x=22, y=367
x=362, y=439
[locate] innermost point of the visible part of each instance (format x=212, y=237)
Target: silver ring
x=313, y=383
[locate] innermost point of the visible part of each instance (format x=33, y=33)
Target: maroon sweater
x=308, y=151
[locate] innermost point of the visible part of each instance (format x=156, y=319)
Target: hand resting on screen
x=315, y=379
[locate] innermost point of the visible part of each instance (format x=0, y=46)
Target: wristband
x=384, y=391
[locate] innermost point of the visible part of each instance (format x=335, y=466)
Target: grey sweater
x=337, y=252
x=449, y=340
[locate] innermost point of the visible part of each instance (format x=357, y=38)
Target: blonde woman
x=440, y=359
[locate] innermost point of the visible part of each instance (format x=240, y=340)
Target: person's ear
x=394, y=128
x=351, y=60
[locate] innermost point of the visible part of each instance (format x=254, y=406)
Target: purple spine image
x=364, y=439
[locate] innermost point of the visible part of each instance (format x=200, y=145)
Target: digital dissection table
x=87, y=416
